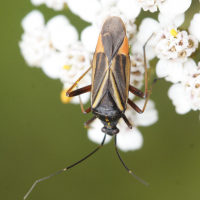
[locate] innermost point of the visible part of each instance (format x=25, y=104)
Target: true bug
x=110, y=84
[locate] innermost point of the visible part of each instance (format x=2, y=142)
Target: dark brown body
x=110, y=75
x=110, y=78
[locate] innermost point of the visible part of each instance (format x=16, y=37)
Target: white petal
x=178, y=97
x=89, y=37
x=33, y=20
x=63, y=37
x=35, y=46
x=62, y=33
x=150, y=115
x=37, y=2
x=129, y=139
x=52, y=66
x=108, y=3
x=95, y=134
x=86, y=9
x=171, y=8
x=173, y=70
x=137, y=47
x=194, y=27
x=187, y=67
x=129, y=8
x=57, y=22
x=161, y=68
x=146, y=29
x=56, y=4
x=177, y=21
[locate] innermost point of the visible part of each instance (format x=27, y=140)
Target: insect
x=110, y=85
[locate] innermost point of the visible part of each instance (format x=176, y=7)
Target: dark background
x=39, y=135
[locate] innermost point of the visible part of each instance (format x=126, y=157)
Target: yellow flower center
x=63, y=96
x=67, y=67
x=173, y=32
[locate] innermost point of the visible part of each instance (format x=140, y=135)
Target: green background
x=39, y=135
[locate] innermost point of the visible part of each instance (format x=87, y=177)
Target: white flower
x=178, y=96
x=186, y=95
x=39, y=42
x=169, y=8
x=194, y=27
x=150, y=5
x=55, y=4
x=165, y=21
x=35, y=45
x=173, y=70
x=128, y=8
x=137, y=47
x=89, y=37
x=108, y=3
x=128, y=139
x=68, y=65
x=85, y=9
x=175, y=45
x=61, y=32
x=32, y=21
x=147, y=27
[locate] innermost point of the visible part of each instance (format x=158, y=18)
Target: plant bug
x=110, y=85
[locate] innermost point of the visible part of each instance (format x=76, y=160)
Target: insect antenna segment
x=138, y=178
x=42, y=179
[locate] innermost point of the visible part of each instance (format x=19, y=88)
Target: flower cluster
x=60, y=57
x=169, y=8
x=186, y=94
x=175, y=45
x=150, y=5
x=55, y=48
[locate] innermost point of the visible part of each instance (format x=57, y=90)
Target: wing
x=100, y=72
x=111, y=64
x=120, y=76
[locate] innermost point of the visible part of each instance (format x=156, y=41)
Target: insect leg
x=66, y=167
x=145, y=67
x=136, y=92
x=139, y=179
x=135, y=107
x=75, y=84
x=127, y=122
x=81, y=104
x=82, y=91
x=79, y=91
x=90, y=121
x=139, y=93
